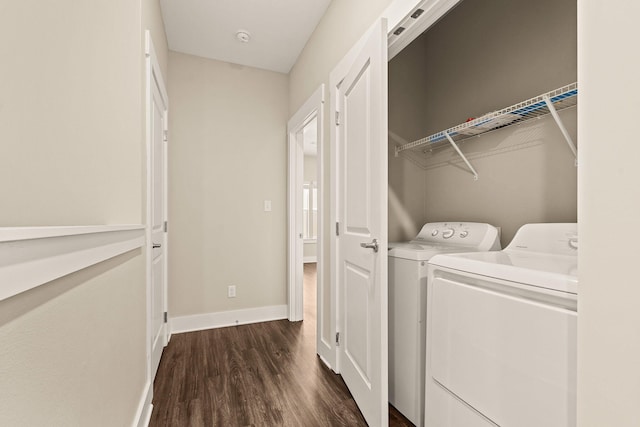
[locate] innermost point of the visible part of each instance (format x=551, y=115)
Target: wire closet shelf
x=550, y=102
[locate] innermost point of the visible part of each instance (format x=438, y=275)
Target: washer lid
x=549, y=271
x=420, y=252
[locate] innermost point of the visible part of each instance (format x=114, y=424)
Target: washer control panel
x=448, y=233
x=479, y=236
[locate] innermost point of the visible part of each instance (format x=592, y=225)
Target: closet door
x=362, y=241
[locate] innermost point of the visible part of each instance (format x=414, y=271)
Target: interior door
x=158, y=217
x=362, y=241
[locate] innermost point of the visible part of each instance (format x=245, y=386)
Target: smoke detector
x=243, y=36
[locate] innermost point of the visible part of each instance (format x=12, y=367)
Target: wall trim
x=221, y=319
x=33, y=256
x=145, y=408
x=311, y=258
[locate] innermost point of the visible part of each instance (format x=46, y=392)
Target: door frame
x=398, y=12
x=153, y=73
x=312, y=108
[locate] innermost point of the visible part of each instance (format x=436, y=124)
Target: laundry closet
x=482, y=129
x=484, y=56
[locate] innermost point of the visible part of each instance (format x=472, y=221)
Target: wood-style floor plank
x=264, y=374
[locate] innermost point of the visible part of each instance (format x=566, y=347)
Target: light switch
x=267, y=205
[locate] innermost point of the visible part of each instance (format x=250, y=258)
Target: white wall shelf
x=547, y=103
x=33, y=256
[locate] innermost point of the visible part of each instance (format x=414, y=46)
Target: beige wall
x=608, y=213
x=70, y=109
x=310, y=250
x=73, y=351
x=227, y=154
x=488, y=54
x=533, y=180
x=407, y=108
x=152, y=21
x=520, y=49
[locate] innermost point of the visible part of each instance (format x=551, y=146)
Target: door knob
x=156, y=245
x=373, y=245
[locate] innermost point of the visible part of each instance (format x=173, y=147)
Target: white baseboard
x=308, y=259
x=326, y=362
x=143, y=414
x=199, y=322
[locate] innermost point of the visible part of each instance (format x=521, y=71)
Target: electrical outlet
x=231, y=291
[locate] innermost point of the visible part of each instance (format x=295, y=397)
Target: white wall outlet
x=231, y=291
x=267, y=205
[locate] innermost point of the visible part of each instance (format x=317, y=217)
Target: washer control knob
x=434, y=233
x=448, y=233
x=464, y=234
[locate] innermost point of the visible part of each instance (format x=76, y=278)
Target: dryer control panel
x=555, y=238
x=475, y=235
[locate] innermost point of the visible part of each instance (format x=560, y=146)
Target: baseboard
x=199, y=322
x=326, y=362
x=309, y=259
x=143, y=414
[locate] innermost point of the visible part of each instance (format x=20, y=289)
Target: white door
x=157, y=218
x=362, y=214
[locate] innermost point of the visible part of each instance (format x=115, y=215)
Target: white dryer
x=407, y=304
x=501, y=333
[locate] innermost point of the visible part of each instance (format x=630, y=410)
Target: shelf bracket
x=564, y=131
x=454, y=145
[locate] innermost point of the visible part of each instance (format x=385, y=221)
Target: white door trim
x=313, y=107
x=153, y=73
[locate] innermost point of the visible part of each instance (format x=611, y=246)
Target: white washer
x=501, y=333
x=407, y=304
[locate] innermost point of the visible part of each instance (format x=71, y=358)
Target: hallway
x=263, y=374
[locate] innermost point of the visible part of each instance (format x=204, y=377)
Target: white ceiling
x=279, y=29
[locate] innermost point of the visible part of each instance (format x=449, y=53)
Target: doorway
x=305, y=213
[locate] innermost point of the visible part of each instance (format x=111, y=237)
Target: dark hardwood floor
x=264, y=374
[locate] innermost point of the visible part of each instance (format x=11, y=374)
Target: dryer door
x=510, y=358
